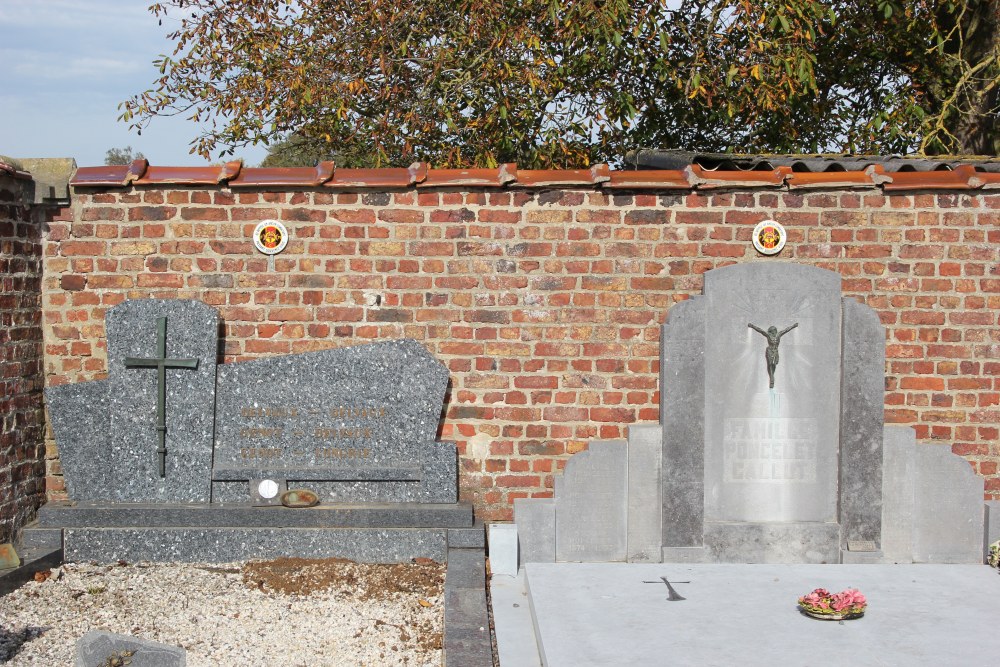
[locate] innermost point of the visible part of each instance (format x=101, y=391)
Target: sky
x=67, y=64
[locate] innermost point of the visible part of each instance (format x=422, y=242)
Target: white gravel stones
x=210, y=612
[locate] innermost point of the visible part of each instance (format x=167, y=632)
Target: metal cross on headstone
x=161, y=363
x=672, y=595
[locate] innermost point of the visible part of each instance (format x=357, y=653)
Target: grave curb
x=467, y=637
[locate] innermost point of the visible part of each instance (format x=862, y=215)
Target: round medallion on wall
x=270, y=237
x=769, y=237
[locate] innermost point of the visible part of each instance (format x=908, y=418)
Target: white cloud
x=66, y=66
x=76, y=14
x=79, y=69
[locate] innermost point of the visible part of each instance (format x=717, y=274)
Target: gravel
x=229, y=615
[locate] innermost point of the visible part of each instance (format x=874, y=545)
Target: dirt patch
x=363, y=581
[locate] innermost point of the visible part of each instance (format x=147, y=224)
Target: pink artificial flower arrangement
x=849, y=602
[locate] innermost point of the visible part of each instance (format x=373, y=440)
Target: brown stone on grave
x=8, y=557
x=299, y=498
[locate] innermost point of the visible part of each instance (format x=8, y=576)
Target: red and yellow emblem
x=270, y=237
x=769, y=237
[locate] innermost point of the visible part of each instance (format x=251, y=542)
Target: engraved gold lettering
x=341, y=453
x=248, y=432
x=261, y=452
x=272, y=411
x=357, y=412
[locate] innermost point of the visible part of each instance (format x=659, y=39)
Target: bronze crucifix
x=773, y=337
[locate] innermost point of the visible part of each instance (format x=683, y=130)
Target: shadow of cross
x=672, y=595
x=161, y=363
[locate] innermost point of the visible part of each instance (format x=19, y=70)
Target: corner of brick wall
x=545, y=305
x=22, y=448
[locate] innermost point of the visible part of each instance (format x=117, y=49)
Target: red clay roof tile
x=962, y=177
x=14, y=172
x=209, y=175
x=541, y=178
x=638, y=180
x=991, y=181
x=106, y=176
x=841, y=179
x=445, y=178
x=376, y=178
x=287, y=176
x=419, y=174
x=703, y=179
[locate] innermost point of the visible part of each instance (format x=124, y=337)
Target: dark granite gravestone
x=109, y=431
x=770, y=446
x=186, y=400
x=167, y=458
x=355, y=424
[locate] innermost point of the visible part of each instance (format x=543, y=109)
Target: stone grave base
x=370, y=533
x=603, y=614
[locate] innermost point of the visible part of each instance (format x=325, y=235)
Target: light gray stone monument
x=770, y=446
x=174, y=458
x=774, y=463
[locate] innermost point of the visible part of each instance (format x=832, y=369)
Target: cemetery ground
x=288, y=611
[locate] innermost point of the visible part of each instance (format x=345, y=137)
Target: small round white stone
x=267, y=489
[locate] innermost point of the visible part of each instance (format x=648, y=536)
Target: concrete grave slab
x=513, y=623
x=597, y=615
x=682, y=415
x=746, y=479
x=861, y=420
x=898, y=490
x=992, y=525
x=772, y=431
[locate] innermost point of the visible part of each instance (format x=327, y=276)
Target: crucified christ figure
x=773, y=337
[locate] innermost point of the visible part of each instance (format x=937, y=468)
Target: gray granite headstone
x=536, y=529
x=898, y=475
x=682, y=415
x=353, y=424
x=81, y=421
x=948, y=508
x=591, y=504
x=96, y=648
x=644, y=535
x=192, y=332
x=503, y=549
x=861, y=423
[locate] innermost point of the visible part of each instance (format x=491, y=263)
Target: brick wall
x=22, y=468
x=544, y=304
